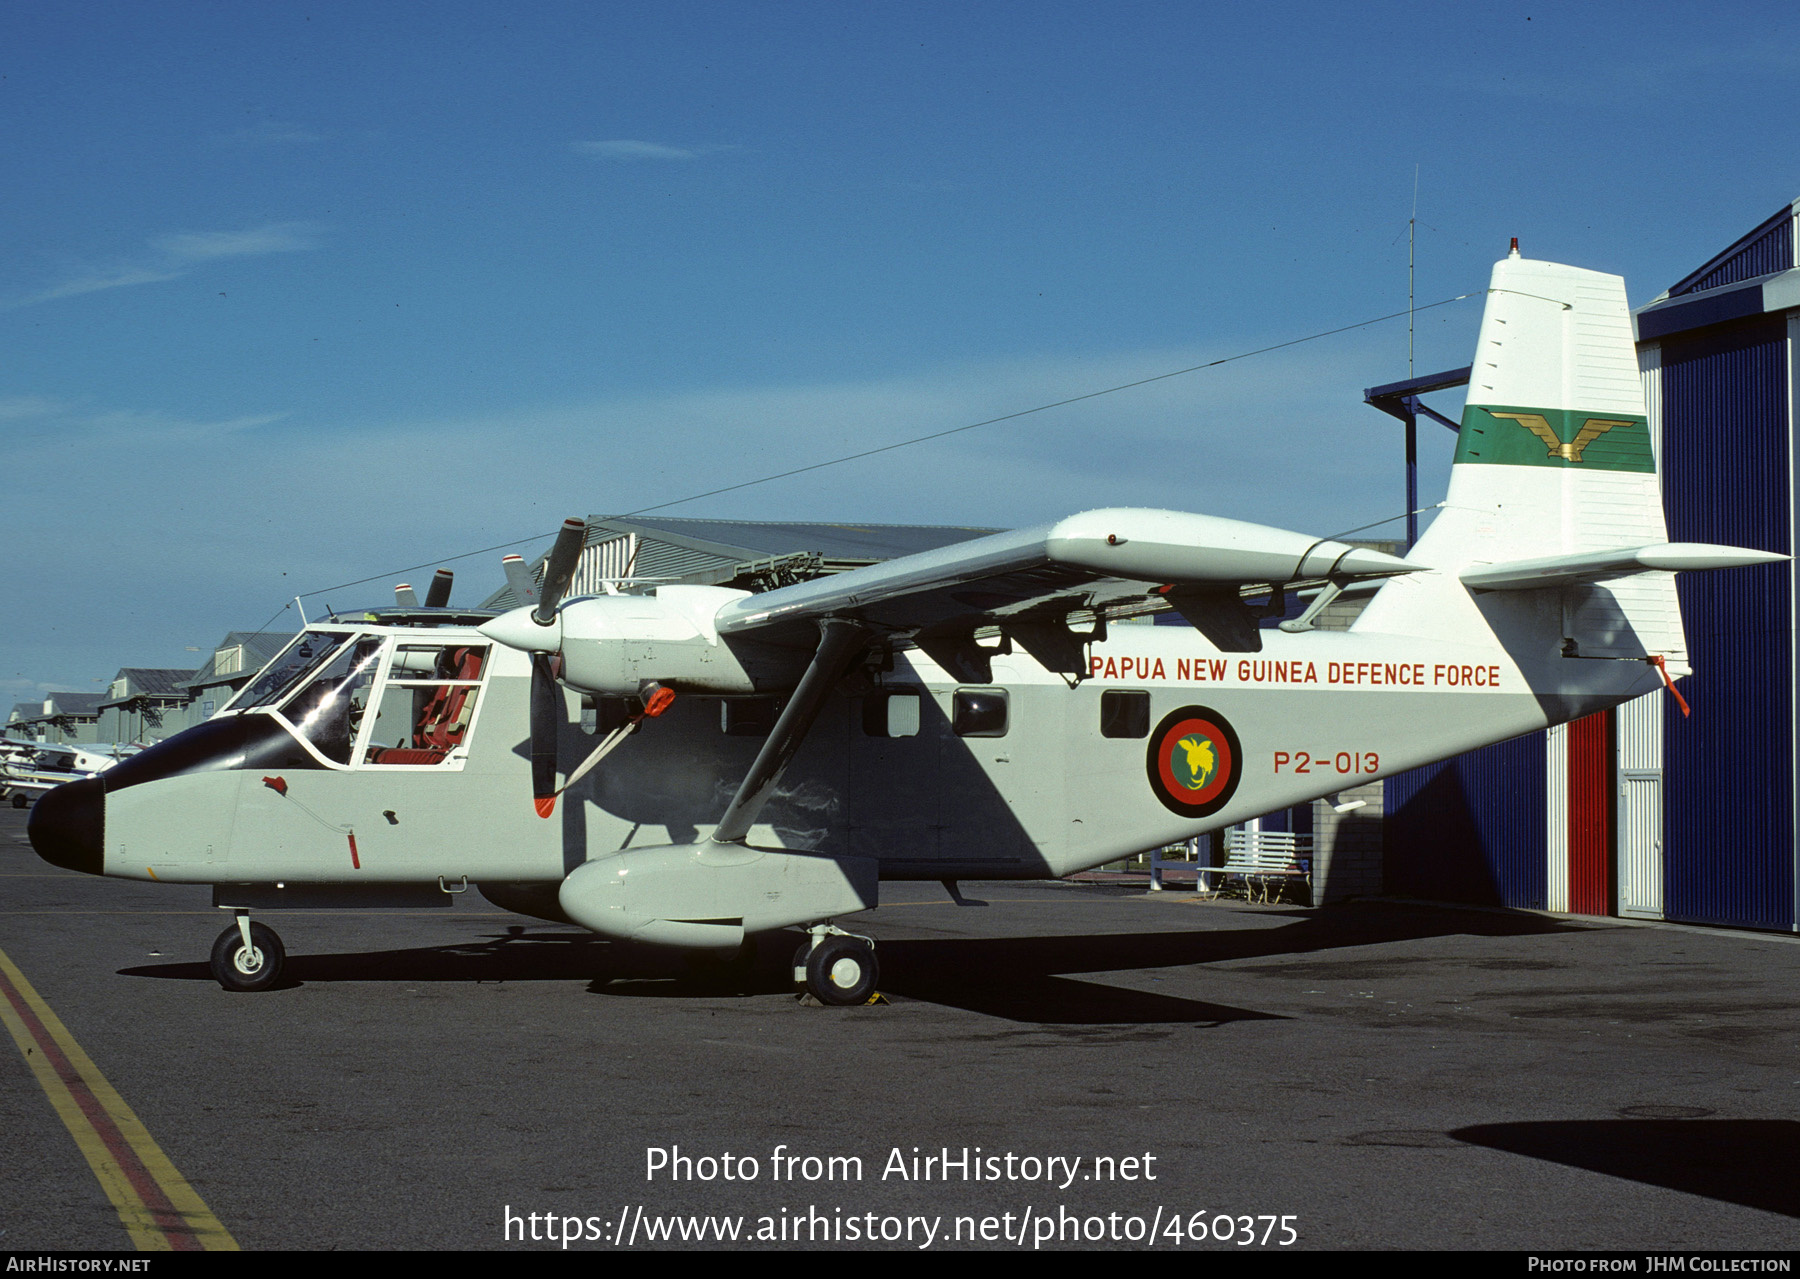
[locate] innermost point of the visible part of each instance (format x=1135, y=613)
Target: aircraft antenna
x=1412, y=235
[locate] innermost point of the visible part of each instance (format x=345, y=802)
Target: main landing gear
x=247, y=956
x=836, y=967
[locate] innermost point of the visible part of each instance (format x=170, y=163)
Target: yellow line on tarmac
x=157, y=1207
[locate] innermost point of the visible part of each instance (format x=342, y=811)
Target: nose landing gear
x=247, y=956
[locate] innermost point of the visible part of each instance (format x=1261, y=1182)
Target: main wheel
x=20, y=799
x=254, y=968
x=841, y=971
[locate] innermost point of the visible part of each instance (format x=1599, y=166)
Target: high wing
x=1022, y=580
x=800, y=640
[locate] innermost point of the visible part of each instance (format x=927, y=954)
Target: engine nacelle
x=709, y=895
x=611, y=645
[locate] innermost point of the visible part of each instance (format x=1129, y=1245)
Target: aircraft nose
x=68, y=826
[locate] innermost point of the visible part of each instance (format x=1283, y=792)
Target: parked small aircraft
x=729, y=763
x=29, y=769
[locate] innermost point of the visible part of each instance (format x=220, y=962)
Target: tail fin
x=1555, y=465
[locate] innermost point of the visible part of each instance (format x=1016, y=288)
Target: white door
x=1640, y=844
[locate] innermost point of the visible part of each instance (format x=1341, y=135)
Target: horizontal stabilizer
x=1594, y=566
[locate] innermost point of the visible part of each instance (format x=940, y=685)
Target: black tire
x=800, y=958
x=842, y=971
x=20, y=799
x=256, y=969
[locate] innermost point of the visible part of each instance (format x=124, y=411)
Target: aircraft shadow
x=1022, y=979
x=1030, y=978
x=1741, y=1161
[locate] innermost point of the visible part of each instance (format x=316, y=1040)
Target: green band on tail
x=1554, y=437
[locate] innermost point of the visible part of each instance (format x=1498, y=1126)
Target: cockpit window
x=299, y=659
x=328, y=711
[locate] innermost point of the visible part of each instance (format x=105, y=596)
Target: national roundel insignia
x=1194, y=761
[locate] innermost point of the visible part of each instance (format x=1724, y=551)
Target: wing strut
x=841, y=644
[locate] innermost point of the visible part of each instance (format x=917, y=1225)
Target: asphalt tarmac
x=1370, y=1076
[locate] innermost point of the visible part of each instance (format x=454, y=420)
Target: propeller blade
x=438, y=594
x=559, y=571
x=404, y=597
x=524, y=586
x=546, y=717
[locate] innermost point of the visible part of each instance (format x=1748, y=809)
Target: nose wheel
x=837, y=968
x=247, y=956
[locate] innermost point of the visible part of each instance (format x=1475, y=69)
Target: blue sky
x=298, y=295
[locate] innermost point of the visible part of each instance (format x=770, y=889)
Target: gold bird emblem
x=1591, y=430
x=1200, y=760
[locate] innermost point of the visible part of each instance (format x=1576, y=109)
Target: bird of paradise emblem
x=1193, y=761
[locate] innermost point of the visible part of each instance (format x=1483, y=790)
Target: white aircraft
x=962, y=713
x=29, y=769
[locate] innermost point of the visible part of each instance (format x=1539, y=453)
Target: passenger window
x=427, y=705
x=979, y=712
x=891, y=714
x=1124, y=714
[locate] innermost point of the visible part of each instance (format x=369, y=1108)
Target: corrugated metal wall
x=1471, y=829
x=1639, y=727
x=604, y=561
x=1728, y=854
x=1556, y=818
x=1767, y=249
x=663, y=559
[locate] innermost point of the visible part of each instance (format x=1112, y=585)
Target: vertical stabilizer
x=1555, y=458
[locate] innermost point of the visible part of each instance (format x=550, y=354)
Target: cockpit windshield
x=307, y=653
x=329, y=709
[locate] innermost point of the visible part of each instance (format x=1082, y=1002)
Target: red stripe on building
x=1592, y=814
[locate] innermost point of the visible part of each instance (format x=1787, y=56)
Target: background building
x=143, y=705
x=61, y=719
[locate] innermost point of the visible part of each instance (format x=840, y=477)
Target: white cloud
x=173, y=255
x=200, y=246
x=27, y=406
x=94, y=280
x=633, y=149
x=40, y=424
